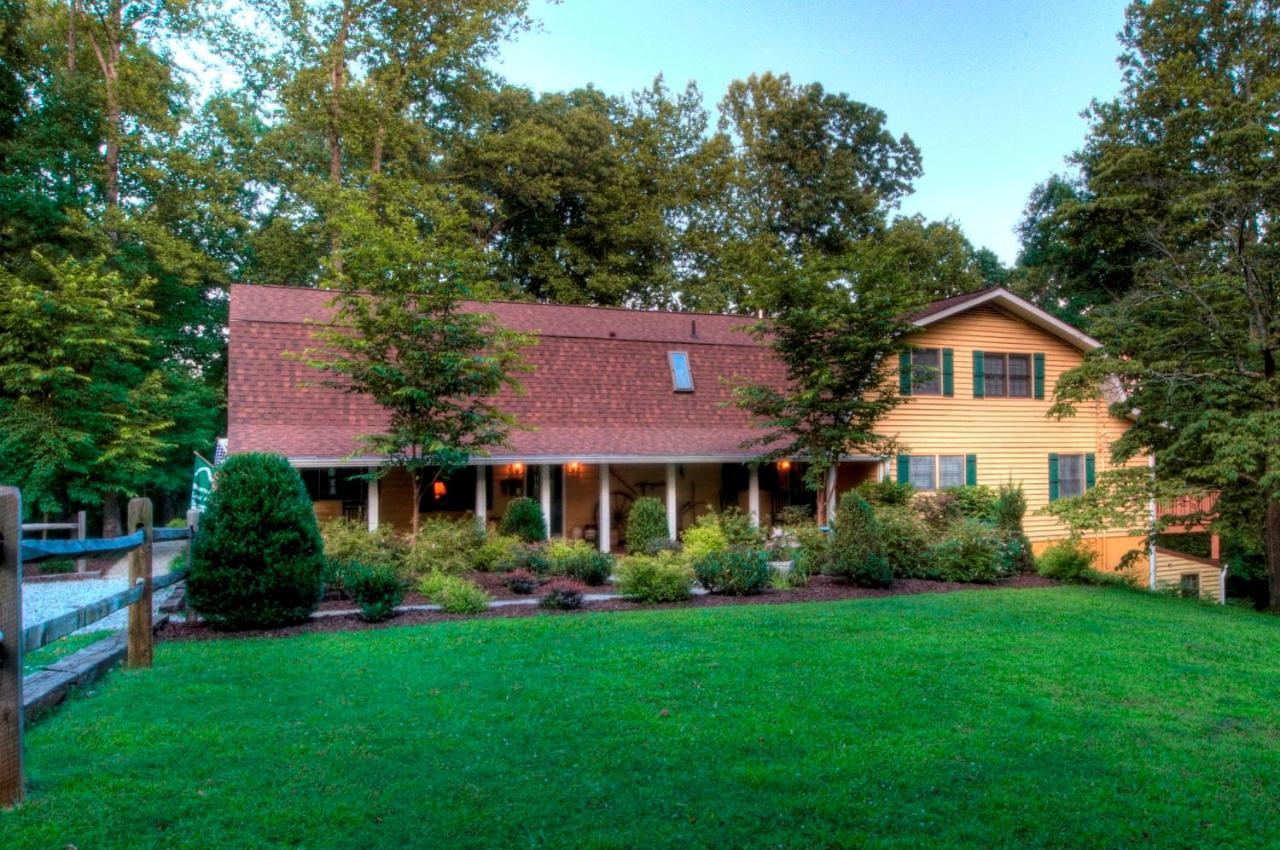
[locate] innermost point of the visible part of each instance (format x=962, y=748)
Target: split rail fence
x=15, y=641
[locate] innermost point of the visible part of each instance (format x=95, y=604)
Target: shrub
x=176, y=522
x=443, y=545
x=524, y=519
x=967, y=553
x=646, y=522
x=1013, y=554
x=377, y=590
x=938, y=511
x=656, y=546
x=975, y=501
x=780, y=548
x=1068, y=560
x=812, y=555
x=493, y=552
x=737, y=571
x=795, y=515
x=885, y=493
x=1009, y=508
x=703, y=538
x=522, y=581
x=258, y=561
x=654, y=578
x=525, y=556
x=580, y=560
x=856, y=551
x=561, y=594
x=905, y=541
x=56, y=566
x=348, y=542
x=737, y=527
x=454, y=595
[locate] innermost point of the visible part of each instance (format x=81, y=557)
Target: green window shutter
x=1090, y=471
x=1053, y=478
x=904, y=469
x=904, y=372
x=971, y=469
x=979, y=374
x=948, y=372
x=1039, y=360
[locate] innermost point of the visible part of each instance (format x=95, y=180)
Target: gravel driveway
x=46, y=600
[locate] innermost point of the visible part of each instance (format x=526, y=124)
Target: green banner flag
x=201, y=484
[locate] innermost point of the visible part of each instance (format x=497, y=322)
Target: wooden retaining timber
x=48, y=687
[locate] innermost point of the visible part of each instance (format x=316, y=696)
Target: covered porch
x=576, y=494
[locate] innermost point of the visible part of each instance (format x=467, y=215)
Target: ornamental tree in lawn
x=402, y=335
x=837, y=328
x=1186, y=161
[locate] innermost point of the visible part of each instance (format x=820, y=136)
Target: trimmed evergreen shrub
x=886, y=492
x=646, y=522
x=905, y=541
x=857, y=552
x=654, y=578
x=561, y=594
x=525, y=556
x=377, y=590
x=579, y=560
x=494, y=552
x=258, y=561
x=1015, y=548
x=737, y=527
x=737, y=571
x=968, y=553
x=455, y=595
x=812, y=555
x=349, y=542
x=524, y=519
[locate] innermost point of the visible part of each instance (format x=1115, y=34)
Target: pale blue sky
x=990, y=90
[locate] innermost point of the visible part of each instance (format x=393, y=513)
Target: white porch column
x=605, y=512
x=673, y=519
x=753, y=494
x=544, y=493
x=482, y=498
x=371, y=508
x=831, y=494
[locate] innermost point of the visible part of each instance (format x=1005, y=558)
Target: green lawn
x=60, y=649
x=1037, y=718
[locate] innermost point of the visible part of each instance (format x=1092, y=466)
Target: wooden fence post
x=12, y=784
x=193, y=525
x=140, y=637
x=82, y=531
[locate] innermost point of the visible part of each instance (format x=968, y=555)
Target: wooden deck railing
x=15, y=641
x=1188, y=507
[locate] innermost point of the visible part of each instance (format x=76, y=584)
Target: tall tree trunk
x=109, y=63
x=416, y=478
x=1271, y=539
x=333, y=135
x=72, y=46
x=110, y=515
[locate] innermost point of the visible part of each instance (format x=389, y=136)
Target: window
x=926, y=371
x=1006, y=375
x=1070, y=475
x=950, y=471
x=1189, y=584
x=921, y=471
x=681, y=374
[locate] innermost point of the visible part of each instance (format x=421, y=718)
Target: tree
x=403, y=335
x=836, y=328
x=1186, y=163
x=81, y=412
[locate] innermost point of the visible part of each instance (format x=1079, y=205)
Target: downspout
x=1151, y=544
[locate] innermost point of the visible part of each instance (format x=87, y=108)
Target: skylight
x=681, y=374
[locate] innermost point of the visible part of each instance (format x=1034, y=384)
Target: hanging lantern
x=438, y=489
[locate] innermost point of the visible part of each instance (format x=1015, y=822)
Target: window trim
x=1003, y=357
x=937, y=376
x=675, y=373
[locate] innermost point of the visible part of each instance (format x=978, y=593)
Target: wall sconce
x=517, y=469
x=574, y=468
x=438, y=489
x=784, y=465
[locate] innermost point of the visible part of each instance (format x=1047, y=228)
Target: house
x=622, y=404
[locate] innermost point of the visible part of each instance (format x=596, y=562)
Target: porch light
x=517, y=469
x=438, y=489
x=784, y=465
x=574, y=468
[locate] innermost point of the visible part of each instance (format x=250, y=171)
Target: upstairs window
x=681, y=374
x=926, y=366
x=1005, y=375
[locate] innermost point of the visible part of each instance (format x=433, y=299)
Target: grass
x=1066, y=717
x=59, y=649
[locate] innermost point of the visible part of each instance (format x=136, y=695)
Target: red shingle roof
x=600, y=385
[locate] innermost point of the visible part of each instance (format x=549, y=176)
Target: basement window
x=681, y=373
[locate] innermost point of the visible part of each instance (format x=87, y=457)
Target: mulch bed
x=820, y=589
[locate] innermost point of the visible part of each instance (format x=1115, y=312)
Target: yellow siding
x=1012, y=438
x=1171, y=566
